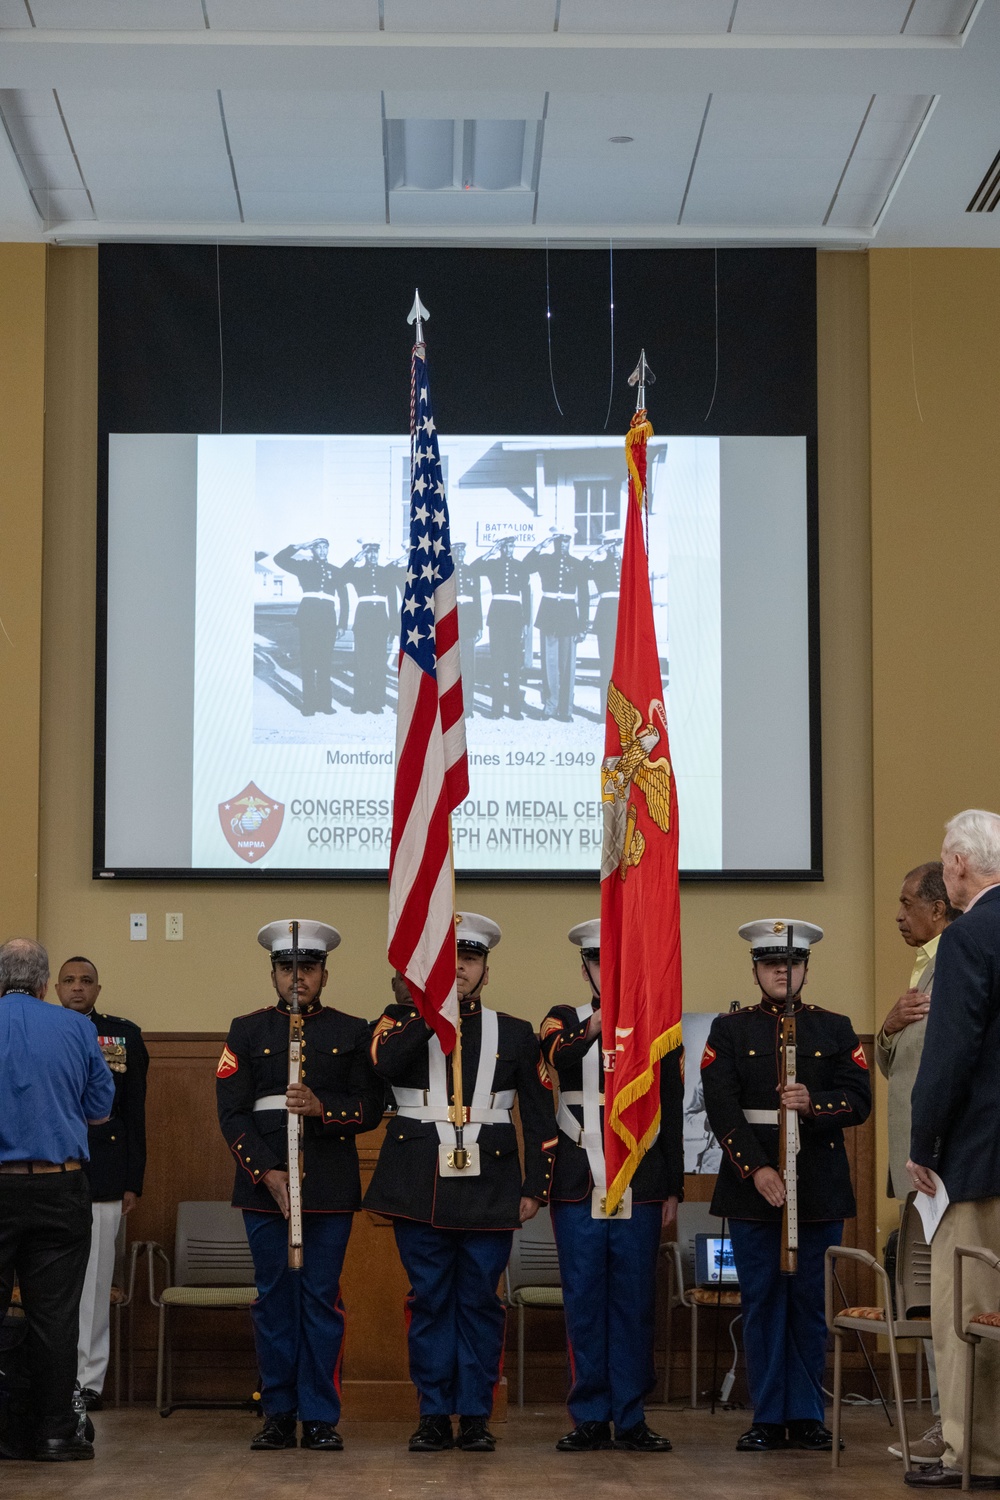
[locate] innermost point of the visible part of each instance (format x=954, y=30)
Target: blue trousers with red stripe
x=456, y=1319
x=784, y=1322
x=608, y=1269
x=298, y=1317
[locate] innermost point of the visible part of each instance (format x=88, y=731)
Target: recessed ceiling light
x=620, y=140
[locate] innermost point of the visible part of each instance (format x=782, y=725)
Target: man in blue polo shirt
x=54, y=1082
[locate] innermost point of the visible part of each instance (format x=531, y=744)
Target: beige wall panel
x=218, y=970
x=22, y=418
x=935, y=379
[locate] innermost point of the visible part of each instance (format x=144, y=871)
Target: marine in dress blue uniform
x=298, y=1317
x=784, y=1328
x=561, y=621
x=608, y=1266
x=454, y=1231
x=321, y=615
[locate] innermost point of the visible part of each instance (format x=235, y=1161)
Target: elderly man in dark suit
x=954, y=1135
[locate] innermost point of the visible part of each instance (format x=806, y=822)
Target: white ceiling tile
x=43, y=135
x=256, y=109
x=461, y=208
x=767, y=199
x=62, y=204
x=29, y=103
x=939, y=17
x=166, y=174
x=576, y=192
x=362, y=206
x=820, y=17
x=118, y=15
x=13, y=16
x=500, y=16
x=51, y=171
x=463, y=104
x=136, y=204
x=273, y=174
x=856, y=210
x=129, y=107
x=292, y=15
x=636, y=17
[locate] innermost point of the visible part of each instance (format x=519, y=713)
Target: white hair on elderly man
x=24, y=965
x=975, y=834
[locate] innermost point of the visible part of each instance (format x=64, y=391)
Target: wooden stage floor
x=203, y=1455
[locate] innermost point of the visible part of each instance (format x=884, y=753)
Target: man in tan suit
x=924, y=912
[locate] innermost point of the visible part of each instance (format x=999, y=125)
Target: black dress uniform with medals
x=322, y=613
x=608, y=1266
x=784, y=1327
x=454, y=1231
x=469, y=598
x=606, y=575
x=298, y=1316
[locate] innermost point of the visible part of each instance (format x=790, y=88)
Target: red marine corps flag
x=432, y=765
x=640, y=899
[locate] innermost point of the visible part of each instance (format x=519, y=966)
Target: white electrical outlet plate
x=137, y=926
x=175, y=926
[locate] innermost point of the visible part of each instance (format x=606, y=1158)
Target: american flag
x=432, y=765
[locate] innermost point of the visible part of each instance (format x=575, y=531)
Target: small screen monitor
x=714, y=1264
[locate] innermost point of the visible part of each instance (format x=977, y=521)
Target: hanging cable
x=715, y=387
x=548, y=329
x=611, y=278
x=222, y=368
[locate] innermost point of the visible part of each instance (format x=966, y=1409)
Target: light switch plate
x=137, y=926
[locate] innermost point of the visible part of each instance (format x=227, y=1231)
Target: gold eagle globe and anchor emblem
x=624, y=844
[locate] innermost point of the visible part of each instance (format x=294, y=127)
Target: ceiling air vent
x=987, y=195
x=436, y=155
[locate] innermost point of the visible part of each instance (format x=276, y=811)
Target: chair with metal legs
x=982, y=1325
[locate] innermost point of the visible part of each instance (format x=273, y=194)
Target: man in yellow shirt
x=924, y=912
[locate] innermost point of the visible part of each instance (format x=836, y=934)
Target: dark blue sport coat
x=956, y=1098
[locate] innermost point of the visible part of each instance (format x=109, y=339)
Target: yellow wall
x=218, y=970
x=22, y=371
x=935, y=467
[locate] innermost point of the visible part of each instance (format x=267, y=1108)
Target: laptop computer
x=714, y=1264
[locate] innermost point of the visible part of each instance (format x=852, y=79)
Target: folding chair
x=692, y=1219
x=982, y=1325
x=213, y=1269
x=532, y=1278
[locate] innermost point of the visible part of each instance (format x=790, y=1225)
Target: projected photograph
x=295, y=698
x=275, y=620
x=702, y=1152
x=537, y=529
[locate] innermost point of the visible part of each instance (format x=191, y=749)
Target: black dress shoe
x=588, y=1437
x=474, y=1436
x=812, y=1436
x=92, y=1400
x=432, y=1436
x=640, y=1439
x=277, y=1432
x=762, y=1437
x=63, y=1450
x=323, y=1436
x=937, y=1477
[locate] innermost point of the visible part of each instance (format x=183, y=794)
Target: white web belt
x=761, y=1116
x=558, y=596
x=372, y=599
x=612, y=595
x=431, y=1104
x=508, y=598
x=312, y=594
x=589, y=1136
x=269, y=1101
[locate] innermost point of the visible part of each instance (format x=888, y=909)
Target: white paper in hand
x=931, y=1209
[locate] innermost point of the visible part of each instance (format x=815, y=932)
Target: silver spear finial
x=417, y=314
x=641, y=376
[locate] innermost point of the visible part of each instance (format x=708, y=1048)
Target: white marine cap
x=316, y=939
x=474, y=931
x=613, y=536
x=768, y=937
x=587, y=935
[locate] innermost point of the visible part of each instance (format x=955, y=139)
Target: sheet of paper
x=931, y=1209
